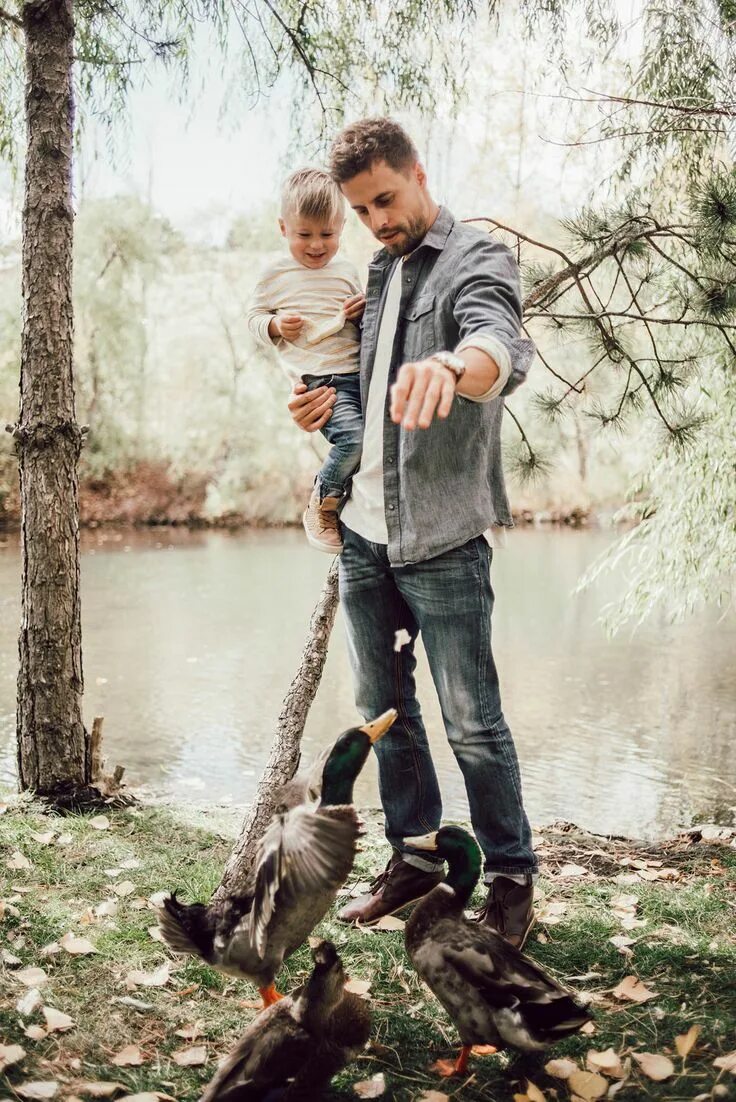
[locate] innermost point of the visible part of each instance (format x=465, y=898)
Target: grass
x=685, y=951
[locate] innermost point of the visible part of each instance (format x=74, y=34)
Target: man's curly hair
x=362, y=143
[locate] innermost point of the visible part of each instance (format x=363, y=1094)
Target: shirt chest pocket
x=418, y=324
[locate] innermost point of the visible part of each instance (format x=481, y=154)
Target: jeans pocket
x=313, y=381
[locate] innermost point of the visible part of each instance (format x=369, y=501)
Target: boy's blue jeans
x=449, y=600
x=344, y=430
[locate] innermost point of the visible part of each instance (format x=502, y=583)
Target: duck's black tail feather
x=559, y=1017
x=187, y=927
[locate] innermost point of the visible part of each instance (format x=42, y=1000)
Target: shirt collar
x=435, y=238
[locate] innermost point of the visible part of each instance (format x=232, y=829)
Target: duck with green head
x=305, y=856
x=494, y=994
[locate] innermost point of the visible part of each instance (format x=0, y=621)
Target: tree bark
x=283, y=760
x=53, y=744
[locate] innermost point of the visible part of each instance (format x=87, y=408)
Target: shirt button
x=391, y=507
x=389, y=460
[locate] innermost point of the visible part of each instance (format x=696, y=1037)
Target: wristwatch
x=452, y=362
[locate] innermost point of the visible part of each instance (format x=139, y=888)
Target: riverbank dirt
x=645, y=930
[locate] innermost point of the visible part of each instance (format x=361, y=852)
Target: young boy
x=307, y=306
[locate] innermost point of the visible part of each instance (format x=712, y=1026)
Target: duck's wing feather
x=302, y=853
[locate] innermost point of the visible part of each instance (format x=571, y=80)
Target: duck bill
x=423, y=841
x=378, y=727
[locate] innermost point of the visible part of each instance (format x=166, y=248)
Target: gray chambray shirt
x=444, y=485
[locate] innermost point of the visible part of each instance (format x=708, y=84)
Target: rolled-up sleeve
x=487, y=309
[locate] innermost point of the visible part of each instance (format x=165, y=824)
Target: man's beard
x=412, y=234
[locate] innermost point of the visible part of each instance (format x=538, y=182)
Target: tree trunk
x=53, y=745
x=283, y=760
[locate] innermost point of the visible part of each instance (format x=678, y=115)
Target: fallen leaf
x=27, y=1004
x=157, y=899
x=587, y=1084
x=588, y=1028
x=632, y=989
x=38, y=1091
x=561, y=1068
x=359, y=987
x=389, y=922
x=654, y=1065
x=191, y=1032
x=147, y=1096
x=250, y=1004
x=87, y=917
x=155, y=933
x=9, y=959
x=50, y=950
x=609, y=1062
x=551, y=913
x=685, y=1041
x=726, y=1063
x=35, y=1032
x=128, y=1057
x=44, y=839
x=107, y=908
x=533, y=1092
x=138, y=1004
x=371, y=1088
x=99, y=822
x=77, y=946
x=158, y=978
x=99, y=1088
x=125, y=887
x=10, y=1054
x=434, y=1096
x=622, y=943
x=31, y=977
x=18, y=861
x=56, y=1020
x=130, y=863
x=572, y=870
x=190, y=1057
x=64, y=839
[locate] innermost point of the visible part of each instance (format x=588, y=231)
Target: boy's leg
x=344, y=431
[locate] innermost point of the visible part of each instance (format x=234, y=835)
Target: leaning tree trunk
x=283, y=760
x=54, y=756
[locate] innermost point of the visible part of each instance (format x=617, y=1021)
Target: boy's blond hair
x=312, y=193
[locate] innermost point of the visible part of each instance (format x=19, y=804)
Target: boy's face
x=312, y=242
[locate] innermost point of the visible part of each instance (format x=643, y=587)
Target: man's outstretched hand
x=310, y=410
x=422, y=391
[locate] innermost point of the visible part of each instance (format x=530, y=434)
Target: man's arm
x=487, y=308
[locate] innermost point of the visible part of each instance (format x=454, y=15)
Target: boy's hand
x=354, y=307
x=288, y=326
x=310, y=410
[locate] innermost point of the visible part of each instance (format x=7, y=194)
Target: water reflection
x=191, y=640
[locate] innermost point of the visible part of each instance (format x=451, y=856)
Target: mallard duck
x=305, y=855
x=494, y=994
x=293, y=1049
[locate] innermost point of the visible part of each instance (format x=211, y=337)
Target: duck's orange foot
x=269, y=995
x=447, y=1068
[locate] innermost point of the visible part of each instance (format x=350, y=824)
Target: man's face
x=312, y=242
x=395, y=206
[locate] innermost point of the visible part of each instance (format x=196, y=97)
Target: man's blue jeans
x=449, y=600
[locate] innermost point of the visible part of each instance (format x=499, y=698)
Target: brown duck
x=305, y=856
x=494, y=994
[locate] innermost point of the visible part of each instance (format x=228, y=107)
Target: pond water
x=191, y=640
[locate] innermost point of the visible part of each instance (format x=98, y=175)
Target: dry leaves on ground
x=191, y=1032
x=654, y=1065
x=726, y=1063
x=29, y=1003
x=31, y=977
x=99, y=822
x=98, y=1088
x=608, y=1062
x=77, y=946
x=56, y=1020
x=18, y=861
x=632, y=989
x=684, y=1042
x=190, y=1057
x=587, y=1084
x=389, y=922
x=358, y=987
x=371, y=1088
x=37, y=1091
x=532, y=1094
x=158, y=978
x=129, y=1057
x=561, y=1068
x=10, y=1054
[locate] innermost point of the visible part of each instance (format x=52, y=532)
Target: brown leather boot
x=398, y=886
x=508, y=910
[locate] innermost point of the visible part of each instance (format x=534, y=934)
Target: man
x=440, y=349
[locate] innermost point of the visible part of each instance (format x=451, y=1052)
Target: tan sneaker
x=321, y=523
